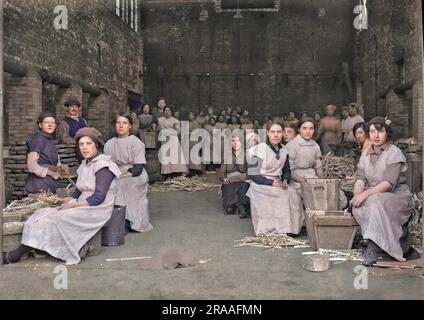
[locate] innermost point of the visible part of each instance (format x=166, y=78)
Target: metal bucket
x=113, y=232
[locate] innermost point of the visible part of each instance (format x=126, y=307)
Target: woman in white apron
x=129, y=153
x=171, y=155
x=304, y=155
x=382, y=202
x=275, y=206
x=63, y=231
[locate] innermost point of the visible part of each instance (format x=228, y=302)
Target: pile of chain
x=271, y=241
x=28, y=205
x=415, y=225
x=183, y=184
x=339, y=168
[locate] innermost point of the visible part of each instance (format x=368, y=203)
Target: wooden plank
x=411, y=264
x=15, y=166
x=335, y=221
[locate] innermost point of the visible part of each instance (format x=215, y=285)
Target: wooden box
x=321, y=194
x=330, y=229
x=150, y=138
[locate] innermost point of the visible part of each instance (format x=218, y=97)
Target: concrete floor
x=190, y=227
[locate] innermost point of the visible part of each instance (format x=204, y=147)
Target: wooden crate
x=151, y=139
x=321, y=194
x=330, y=229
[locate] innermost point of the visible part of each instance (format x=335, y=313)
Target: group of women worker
x=268, y=176
x=382, y=202
x=116, y=177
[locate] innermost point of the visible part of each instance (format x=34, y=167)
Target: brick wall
x=24, y=104
x=98, y=49
x=269, y=62
x=394, y=35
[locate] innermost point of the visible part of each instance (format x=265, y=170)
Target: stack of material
x=16, y=169
x=415, y=225
x=272, y=241
x=183, y=184
x=16, y=213
x=68, y=155
x=26, y=206
x=339, y=168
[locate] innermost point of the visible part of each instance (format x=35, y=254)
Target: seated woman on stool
x=382, y=202
x=43, y=160
x=129, y=153
x=63, y=231
x=233, y=174
x=274, y=204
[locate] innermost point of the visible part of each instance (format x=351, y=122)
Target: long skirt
x=275, y=209
x=381, y=218
x=62, y=233
x=171, y=157
x=133, y=195
x=195, y=161
x=234, y=193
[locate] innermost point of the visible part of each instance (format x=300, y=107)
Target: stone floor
x=190, y=227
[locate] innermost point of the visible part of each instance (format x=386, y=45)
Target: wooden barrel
x=414, y=174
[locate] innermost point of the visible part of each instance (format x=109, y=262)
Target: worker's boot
x=15, y=255
x=412, y=254
x=371, y=254
x=242, y=211
x=230, y=210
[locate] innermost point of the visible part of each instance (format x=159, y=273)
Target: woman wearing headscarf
x=129, y=153
x=62, y=232
x=382, y=202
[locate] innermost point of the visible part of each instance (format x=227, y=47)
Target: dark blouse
x=234, y=166
x=259, y=179
x=136, y=170
x=104, y=178
x=74, y=125
x=45, y=146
